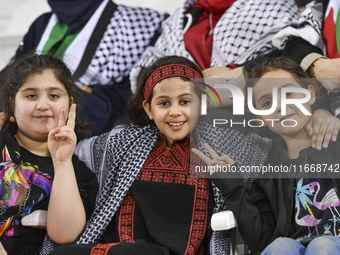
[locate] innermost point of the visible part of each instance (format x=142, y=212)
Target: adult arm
x=327, y=72
x=312, y=60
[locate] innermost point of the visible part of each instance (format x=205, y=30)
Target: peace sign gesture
x=62, y=140
x=216, y=160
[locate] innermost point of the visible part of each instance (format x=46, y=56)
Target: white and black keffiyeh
x=242, y=33
x=124, y=153
x=130, y=31
x=308, y=27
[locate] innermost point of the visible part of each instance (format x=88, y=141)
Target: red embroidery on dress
x=170, y=166
x=168, y=178
x=180, y=179
x=157, y=177
x=174, y=166
x=146, y=176
x=199, y=217
x=102, y=249
x=126, y=217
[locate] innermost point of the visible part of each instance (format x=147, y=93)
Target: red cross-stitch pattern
x=173, y=166
x=102, y=249
x=200, y=214
x=172, y=70
x=126, y=215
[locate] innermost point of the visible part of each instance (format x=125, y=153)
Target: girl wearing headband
x=152, y=201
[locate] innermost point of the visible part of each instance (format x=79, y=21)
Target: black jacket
x=265, y=212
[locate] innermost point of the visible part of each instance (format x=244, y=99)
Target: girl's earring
x=12, y=119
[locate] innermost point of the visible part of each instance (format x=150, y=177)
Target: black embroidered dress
x=165, y=206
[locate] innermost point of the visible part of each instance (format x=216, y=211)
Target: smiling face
x=37, y=105
x=170, y=108
x=262, y=96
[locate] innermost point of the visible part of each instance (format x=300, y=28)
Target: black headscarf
x=74, y=13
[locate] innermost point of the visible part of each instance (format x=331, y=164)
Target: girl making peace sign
x=38, y=168
x=151, y=201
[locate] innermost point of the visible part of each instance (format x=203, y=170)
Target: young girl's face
x=262, y=98
x=170, y=108
x=37, y=105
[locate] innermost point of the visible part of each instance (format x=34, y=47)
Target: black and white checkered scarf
x=242, y=33
x=124, y=153
x=130, y=31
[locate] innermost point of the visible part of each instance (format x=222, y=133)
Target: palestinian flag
x=331, y=30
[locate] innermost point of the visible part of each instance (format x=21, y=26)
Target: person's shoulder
x=137, y=129
x=37, y=28
x=139, y=10
x=122, y=131
x=42, y=19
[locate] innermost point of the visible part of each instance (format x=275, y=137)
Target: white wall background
x=17, y=15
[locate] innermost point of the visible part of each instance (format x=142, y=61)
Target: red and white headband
x=172, y=70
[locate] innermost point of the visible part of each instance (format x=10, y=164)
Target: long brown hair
x=32, y=64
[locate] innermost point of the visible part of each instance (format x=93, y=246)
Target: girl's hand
x=2, y=250
x=223, y=160
x=62, y=140
x=323, y=127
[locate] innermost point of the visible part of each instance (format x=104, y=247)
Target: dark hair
x=278, y=63
x=288, y=65
x=32, y=64
x=134, y=107
x=301, y=77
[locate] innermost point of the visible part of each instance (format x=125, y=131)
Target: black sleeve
x=302, y=3
x=87, y=185
x=298, y=48
x=295, y=49
x=252, y=209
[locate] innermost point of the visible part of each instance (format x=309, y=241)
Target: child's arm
x=323, y=127
x=66, y=214
x=2, y=250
